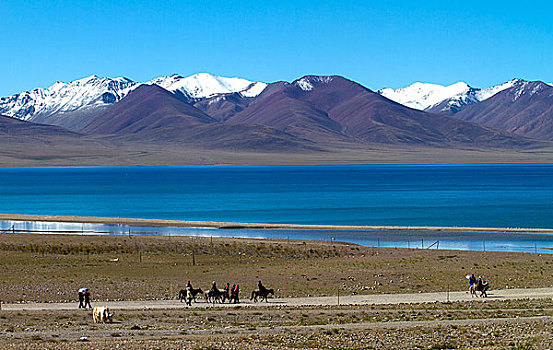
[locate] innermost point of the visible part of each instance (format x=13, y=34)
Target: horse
x=234, y=296
x=216, y=295
x=195, y=291
x=482, y=288
x=192, y=291
x=262, y=294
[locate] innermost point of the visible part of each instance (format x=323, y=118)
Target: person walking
x=81, y=298
x=234, y=295
x=87, y=299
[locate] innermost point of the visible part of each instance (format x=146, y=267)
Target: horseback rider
x=188, y=285
x=261, y=287
x=214, y=287
x=479, y=283
x=472, y=280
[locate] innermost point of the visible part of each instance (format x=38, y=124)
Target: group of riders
x=215, y=294
x=478, y=285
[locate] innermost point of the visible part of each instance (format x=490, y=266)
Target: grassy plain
x=151, y=267
x=157, y=267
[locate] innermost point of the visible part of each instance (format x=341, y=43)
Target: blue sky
x=377, y=43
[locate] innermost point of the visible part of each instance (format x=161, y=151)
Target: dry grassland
x=150, y=267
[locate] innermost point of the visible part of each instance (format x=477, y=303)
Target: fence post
x=171, y=290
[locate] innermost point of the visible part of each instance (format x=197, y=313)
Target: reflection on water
x=489, y=241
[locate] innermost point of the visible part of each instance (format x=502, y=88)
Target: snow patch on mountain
x=309, y=82
x=484, y=94
x=255, y=89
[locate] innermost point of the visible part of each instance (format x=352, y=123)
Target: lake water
x=404, y=195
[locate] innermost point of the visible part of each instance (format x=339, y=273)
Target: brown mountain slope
x=279, y=108
x=25, y=142
x=224, y=106
x=152, y=115
x=525, y=109
x=12, y=127
x=316, y=107
x=147, y=107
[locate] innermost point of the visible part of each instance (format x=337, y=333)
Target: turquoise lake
x=410, y=195
x=405, y=195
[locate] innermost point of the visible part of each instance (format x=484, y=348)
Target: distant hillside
x=524, y=109
x=325, y=109
x=151, y=114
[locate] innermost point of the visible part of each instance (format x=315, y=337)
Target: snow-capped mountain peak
x=205, y=85
x=424, y=95
x=89, y=92
x=444, y=99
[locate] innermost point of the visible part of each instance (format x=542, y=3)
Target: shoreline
x=217, y=164
x=250, y=225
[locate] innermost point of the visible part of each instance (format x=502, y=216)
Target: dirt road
x=374, y=299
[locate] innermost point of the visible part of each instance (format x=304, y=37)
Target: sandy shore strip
x=251, y=225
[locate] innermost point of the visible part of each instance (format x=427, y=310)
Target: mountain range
x=310, y=114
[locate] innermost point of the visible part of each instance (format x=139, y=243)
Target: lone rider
x=188, y=285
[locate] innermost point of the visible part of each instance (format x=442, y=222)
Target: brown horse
x=482, y=288
x=263, y=294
